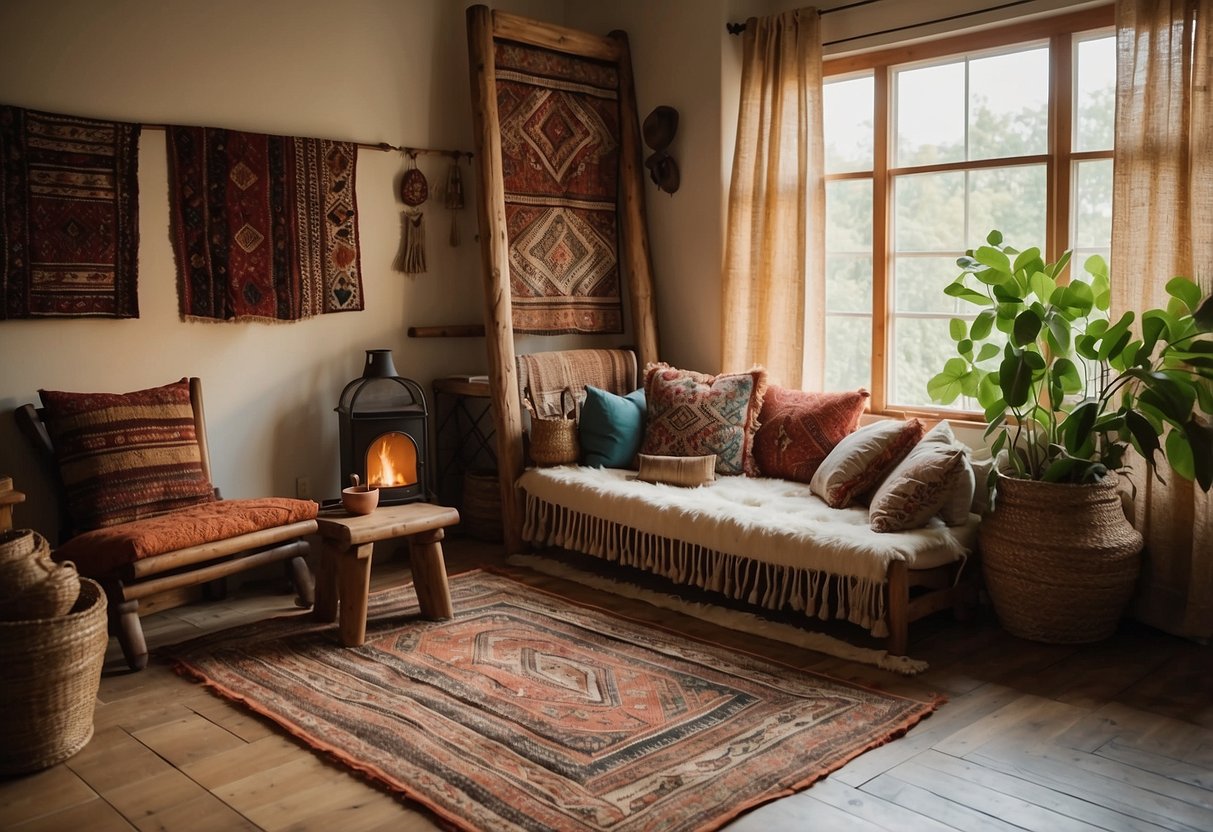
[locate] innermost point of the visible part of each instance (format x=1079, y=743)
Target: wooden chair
x=207, y=561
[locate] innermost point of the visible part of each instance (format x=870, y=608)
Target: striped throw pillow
x=125, y=456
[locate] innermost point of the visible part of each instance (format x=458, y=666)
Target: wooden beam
x=549, y=36
x=494, y=253
x=632, y=214
x=448, y=331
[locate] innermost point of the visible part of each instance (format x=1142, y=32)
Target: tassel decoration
x=411, y=259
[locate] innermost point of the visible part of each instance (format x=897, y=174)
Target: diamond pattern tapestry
x=69, y=221
x=263, y=227
x=559, y=124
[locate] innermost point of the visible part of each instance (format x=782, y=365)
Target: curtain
x=1162, y=226
x=774, y=262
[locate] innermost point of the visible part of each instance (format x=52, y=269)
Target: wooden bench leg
x=354, y=582
x=897, y=608
x=130, y=634
x=429, y=574
x=325, y=597
x=301, y=577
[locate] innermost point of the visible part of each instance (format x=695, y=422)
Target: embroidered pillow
x=798, y=429
x=123, y=456
x=611, y=428
x=917, y=488
x=862, y=459
x=959, y=498
x=692, y=414
x=685, y=471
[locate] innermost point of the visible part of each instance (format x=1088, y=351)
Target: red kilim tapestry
x=559, y=120
x=264, y=227
x=69, y=216
x=528, y=711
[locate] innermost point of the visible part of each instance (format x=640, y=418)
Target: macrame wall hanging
x=414, y=190
x=453, y=198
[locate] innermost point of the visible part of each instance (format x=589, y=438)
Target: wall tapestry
x=263, y=227
x=559, y=124
x=69, y=216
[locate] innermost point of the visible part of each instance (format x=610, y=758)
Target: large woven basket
x=50, y=670
x=480, y=509
x=1060, y=561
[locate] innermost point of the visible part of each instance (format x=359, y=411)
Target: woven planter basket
x=50, y=670
x=1060, y=561
x=480, y=511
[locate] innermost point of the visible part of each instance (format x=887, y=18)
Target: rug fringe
x=725, y=617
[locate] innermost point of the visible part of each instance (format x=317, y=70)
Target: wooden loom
x=484, y=26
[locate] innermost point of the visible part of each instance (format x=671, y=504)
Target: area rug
x=528, y=711
x=558, y=116
x=69, y=216
x=263, y=227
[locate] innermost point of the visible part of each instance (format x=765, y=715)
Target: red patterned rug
x=528, y=711
x=69, y=216
x=263, y=227
x=559, y=120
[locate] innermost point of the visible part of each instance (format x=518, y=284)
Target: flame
x=388, y=469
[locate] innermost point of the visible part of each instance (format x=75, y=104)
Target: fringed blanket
x=559, y=121
x=69, y=217
x=264, y=227
x=768, y=542
x=547, y=374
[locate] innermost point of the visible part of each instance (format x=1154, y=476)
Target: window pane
x=1013, y=200
x=849, y=347
x=930, y=104
x=1095, y=94
x=919, y=282
x=849, y=215
x=1009, y=105
x=1093, y=203
x=847, y=113
x=849, y=283
x=929, y=212
x=920, y=348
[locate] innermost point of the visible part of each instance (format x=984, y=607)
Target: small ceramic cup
x=360, y=499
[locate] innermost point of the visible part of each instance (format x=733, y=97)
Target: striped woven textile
x=549, y=373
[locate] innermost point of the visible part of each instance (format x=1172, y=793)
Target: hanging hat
x=663, y=170
x=660, y=127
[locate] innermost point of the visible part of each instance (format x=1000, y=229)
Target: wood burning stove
x=384, y=432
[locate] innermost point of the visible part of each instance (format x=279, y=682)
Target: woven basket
x=24, y=561
x=18, y=544
x=554, y=440
x=1060, y=561
x=50, y=670
x=50, y=597
x=480, y=512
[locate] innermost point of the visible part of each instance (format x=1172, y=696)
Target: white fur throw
x=766, y=541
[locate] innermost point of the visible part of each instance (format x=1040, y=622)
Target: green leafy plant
x=1066, y=389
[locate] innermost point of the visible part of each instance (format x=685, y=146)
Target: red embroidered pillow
x=860, y=461
x=692, y=414
x=798, y=429
x=123, y=456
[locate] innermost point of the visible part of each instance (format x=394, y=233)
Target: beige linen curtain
x=1162, y=226
x=774, y=261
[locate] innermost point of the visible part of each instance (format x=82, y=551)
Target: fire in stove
x=391, y=461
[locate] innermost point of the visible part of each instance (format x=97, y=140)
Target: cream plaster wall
x=369, y=70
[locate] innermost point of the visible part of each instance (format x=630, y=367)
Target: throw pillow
x=862, y=459
x=686, y=471
x=917, y=488
x=611, y=428
x=798, y=429
x=692, y=414
x=958, y=500
x=123, y=456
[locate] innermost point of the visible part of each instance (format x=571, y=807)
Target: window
x=928, y=148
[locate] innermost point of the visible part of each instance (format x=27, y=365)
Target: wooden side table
x=8, y=498
x=344, y=574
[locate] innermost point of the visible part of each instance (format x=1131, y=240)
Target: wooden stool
x=345, y=562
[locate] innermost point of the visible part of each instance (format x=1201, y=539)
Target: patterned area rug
x=527, y=711
x=559, y=122
x=264, y=227
x=69, y=216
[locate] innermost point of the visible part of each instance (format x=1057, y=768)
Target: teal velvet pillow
x=611, y=428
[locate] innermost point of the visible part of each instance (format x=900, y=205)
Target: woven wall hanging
x=414, y=191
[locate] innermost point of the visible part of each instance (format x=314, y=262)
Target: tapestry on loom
x=559, y=123
x=264, y=227
x=69, y=216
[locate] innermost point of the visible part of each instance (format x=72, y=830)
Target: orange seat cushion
x=102, y=551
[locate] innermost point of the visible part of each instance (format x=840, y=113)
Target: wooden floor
x=1113, y=736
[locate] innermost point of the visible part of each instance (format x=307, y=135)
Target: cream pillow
x=862, y=459
x=917, y=488
x=686, y=471
x=959, y=500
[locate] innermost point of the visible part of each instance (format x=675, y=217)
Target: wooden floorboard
x=1113, y=736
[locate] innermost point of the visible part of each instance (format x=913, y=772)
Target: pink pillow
x=861, y=460
x=798, y=429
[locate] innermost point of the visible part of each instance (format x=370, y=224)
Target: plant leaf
x=986, y=352
x=1204, y=315
x=1076, y=429
x=1179, y=454
x=957, y=289
x=1144, y=435
x=1027, y=327
x=1042, y=285
x=994, y=238
x=1200, y=439
x=957, y=329
x=994, y=258
x=1075, y=297
x=1155, y=324
x=1015, y=379
x=1057, y=268
x=1066, y=371
x=946, y=387
x=982, y=325
x=1059, y=334
x=1183, y=289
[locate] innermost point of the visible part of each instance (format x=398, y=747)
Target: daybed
x=766, y=541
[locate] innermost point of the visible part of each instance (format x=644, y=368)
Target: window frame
x=1061, y=33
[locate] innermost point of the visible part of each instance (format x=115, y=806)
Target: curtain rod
x=383, y=146
x=739, y=28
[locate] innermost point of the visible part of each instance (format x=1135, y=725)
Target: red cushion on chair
x=100, y=552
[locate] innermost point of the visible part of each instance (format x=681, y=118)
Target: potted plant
x=1066, y=392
